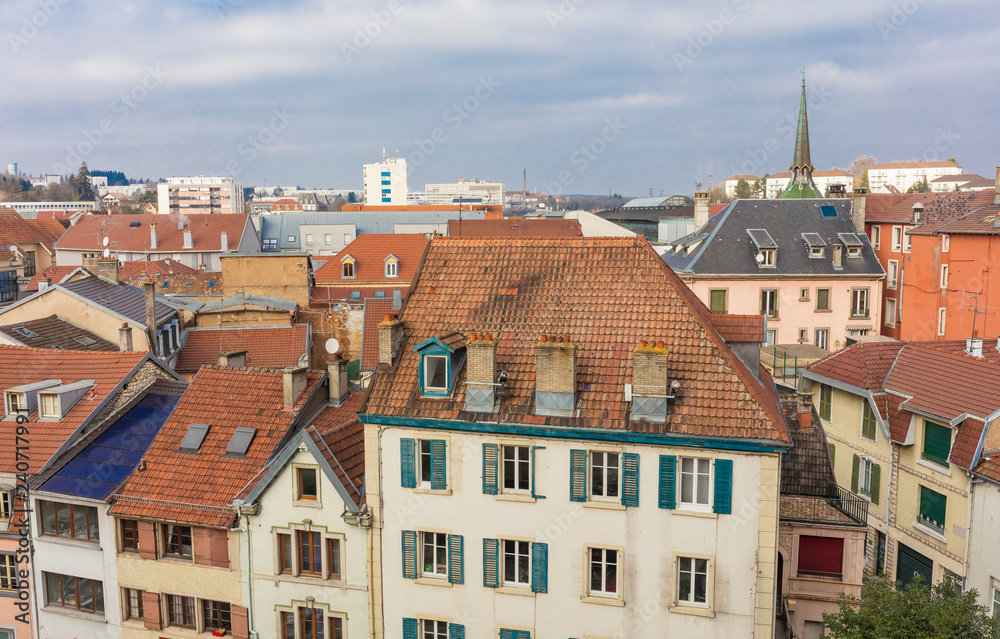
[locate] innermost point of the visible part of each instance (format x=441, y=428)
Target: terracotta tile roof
x=55, y=273
x=325, y=296
x=739, y=328
x=960, y=384
x=958, y=346
x=266, y=346
x=811, y=509
x=341, y=436
x=197, y=488
x=864, y=365
x=55, y=332
x=963, y=449
x=375, y=312
x=939, y=208
x=899, y=418
x=913, y=165
x=206, y=230
x=20, y=365
x=521, y=289
x=832, y=173
x=876, y=205
x=369, y=251
x=15, y=230
x=515, y=227
x=981, y=221
x=157, y=267
x=194, y=284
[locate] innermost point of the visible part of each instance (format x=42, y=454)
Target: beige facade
x=199, y=195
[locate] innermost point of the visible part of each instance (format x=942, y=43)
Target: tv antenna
x=978, y=310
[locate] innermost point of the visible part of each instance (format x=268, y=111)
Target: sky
x=584, y=96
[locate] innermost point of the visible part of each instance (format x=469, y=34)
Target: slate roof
x=521, y=289
x=726, y=249
x=375, y=312
x=266, y=346
x=20, y=366
x=197, y=488
x=127, y=301
x=206, y=231
x=57, y=333
x=369, y=252
x=739, y=328
x=515, y=227
x=17, y=231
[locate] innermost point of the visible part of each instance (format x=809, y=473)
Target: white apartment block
x=29, y=210
x=199, y=195
x=385, y=181
x=903, y=175
x=733, y=180
x=465, y=191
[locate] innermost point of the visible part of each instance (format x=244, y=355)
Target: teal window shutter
x=407, y=467
x=409, y=554
x=630, y=479
x=539, y=567
x=723, y=486
x=490, y=452
x=578, y=475
x=491, y=563
x=456, y=631
x=507, y=634
x=439, y=472
x=409, y=628
x=534, y=493
x=668, y=482
x=456, y=565
x=937, y=443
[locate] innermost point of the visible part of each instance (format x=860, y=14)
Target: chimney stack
x=294, y=380
x=337, y=372
x=225, y=241
x=180, y=222
x=233, y=359
x=152, y=236
x=838, y=256
x=188, y=238
x=107, y=267
x=149, y=286
x=125, y=337
x=700, y=209
x=555, y=376
x=838, y=191
x=974, y=346
x=481, y=375
x=390, y=336
x=90, y=261
x=804, y=407
x=44, y=283
x=650, y=382
x=918, y=210
x=858, y=209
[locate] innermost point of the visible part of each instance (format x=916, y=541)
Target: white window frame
x=945, y=242
x=770, y=309
x=421, y=454
x=907, y=239
x=876, y=238
x=769, y=256
x=942, y=320
x=860, y=295
x=516, y=546
x=890, y=312
x=521, y=472
x=865, y=476
x=823, y=338
x=944, y=277
x=428, y=376
x=439, y=543
x=770, y=337
x=606, y=555
x=689, y=564
x=391, y=269
x=48, y=411
x=803, y=294
x=433, y=629
x=892, y=277
x=9, y=404
x=897, y=239
x=700, y=467
x=604, y=466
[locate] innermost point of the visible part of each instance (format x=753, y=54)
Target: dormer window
x=15, y=403
x=391, y=266
x=440, y=360
x=852, y=242
x=767, y=256
x=815, y=244
x=347, y=270
x=767, y=248
x=48, y=405
x=23, y=400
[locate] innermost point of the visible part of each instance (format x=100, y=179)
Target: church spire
x=801, y=185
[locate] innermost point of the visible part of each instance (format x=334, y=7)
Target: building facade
x=464, y=191
x=199, y=195
x=903, y=175
x=385, y=181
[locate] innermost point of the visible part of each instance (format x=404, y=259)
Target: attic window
x=852, y=243
x=766, y=247
x=440, y=359
x=391, y=266
x=240, y=442
x=816, y=244
x=211, y=283
x=194, y=437
x=355, y=295
x=15, y=403
x=347, y=268
x=26, y=332
x=435, y=375
x=270, y=244
x=83, y=340
x=828, y=211
x=379, y=294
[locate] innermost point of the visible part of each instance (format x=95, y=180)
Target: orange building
x=939, y=251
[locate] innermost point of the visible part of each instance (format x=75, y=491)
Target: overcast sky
x=587, y=96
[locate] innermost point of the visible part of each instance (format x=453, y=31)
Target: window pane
x=307, y=483
x=48, y=517
x=92, y=526
x=62, y=519
x=53, y=585
x=435, y=371
x=69, y=591
x=333, y=546
x=596, y=569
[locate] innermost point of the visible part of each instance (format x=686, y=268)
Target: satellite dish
x=105, y=241
x=759, y=258
x=107, y=253
x=332, y=345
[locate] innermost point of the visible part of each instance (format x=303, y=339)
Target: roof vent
x=240, y=442
x=194, y=437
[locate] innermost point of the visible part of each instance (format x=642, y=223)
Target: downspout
x=238, y=506
x=968, y=525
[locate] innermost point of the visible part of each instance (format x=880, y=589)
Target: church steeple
x=801, y=185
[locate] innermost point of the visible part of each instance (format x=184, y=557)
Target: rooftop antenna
x=976, y=312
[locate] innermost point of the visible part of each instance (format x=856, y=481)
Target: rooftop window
x=194, y=437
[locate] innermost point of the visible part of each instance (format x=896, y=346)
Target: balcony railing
x=859, y=313
x=848, y=503
x=839, y=508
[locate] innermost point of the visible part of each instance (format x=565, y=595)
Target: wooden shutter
x=630, y=479
x=456, y=631
x=491, y=563
x=723, y=486
x=534, y=493
x=220, y=547
x=578, y=475
x=241, y=622
x=506, y=634
x=668, y=482
x=409, y=628
x=821, y=556
x=539, y=567
x=833, y=454
x=490, y=484
x=409, y=554
x=855, y=471
x=937, y=443
x=151, y=610
x=439, y=466
x=933, y=507
x=147, y=540
x=876, y=480
x=407, y=468
x=718, y=301
x=456, y=565
x=202, y=542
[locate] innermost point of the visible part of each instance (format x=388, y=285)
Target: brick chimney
x=481, y=373
x=149, y=287
x=650, y=382
x=107, y=267
x=188, y=238
x=90, y=261
x=838, y=191
x=700, y=209
x=224, y=242
x=838, y=256
x=125, y=337
x=390, y=336
x=294, y=382
x=233, y=359
x=555, y=376
x=152, y=236
x=858, y=209
x=337, y=372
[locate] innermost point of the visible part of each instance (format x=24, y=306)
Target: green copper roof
x=801, y=185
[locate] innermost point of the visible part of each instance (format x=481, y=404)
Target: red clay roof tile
x=369, y=251
x=266, y=346
x=206, y=232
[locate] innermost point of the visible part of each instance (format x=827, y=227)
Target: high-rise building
x=385, y=181
x=199, y=195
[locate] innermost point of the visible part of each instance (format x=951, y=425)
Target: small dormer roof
x=813, y=239
x=347, y=258
x=762, y=239
x=390, y=257
x=450, y=342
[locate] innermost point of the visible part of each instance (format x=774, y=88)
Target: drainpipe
x=968, y=525
x=238, y=506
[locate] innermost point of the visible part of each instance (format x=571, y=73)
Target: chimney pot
x=660, y=345
x=642, y=343
x=473, y=337
x=337, y=373
x=489, y=337
x=545, y=338
x=152, y=235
